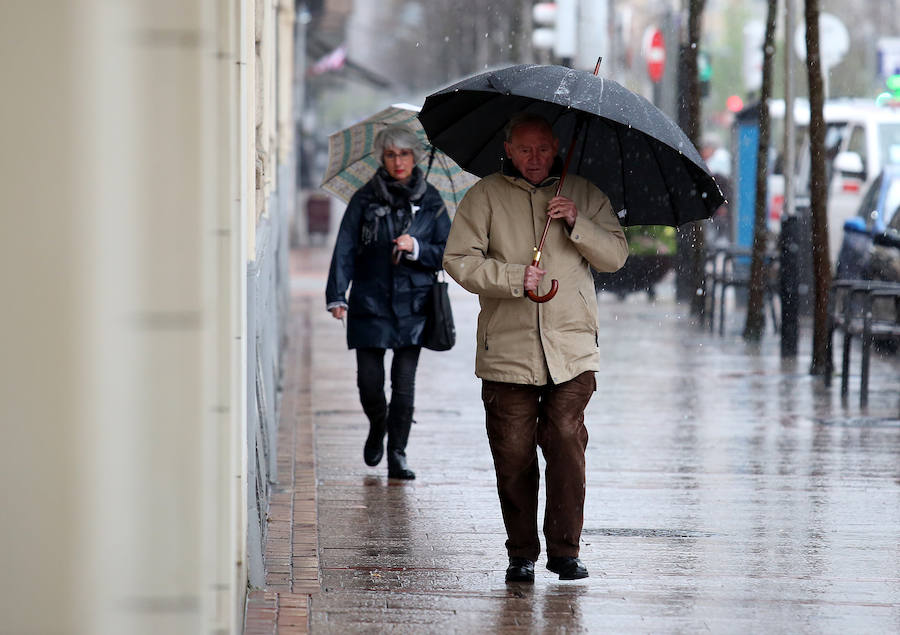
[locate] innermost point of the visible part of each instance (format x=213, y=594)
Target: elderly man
x=536, y=361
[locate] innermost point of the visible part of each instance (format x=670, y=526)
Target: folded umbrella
x=352, y=162
x=629, y=148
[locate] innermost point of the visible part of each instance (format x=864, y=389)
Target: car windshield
x=889, y=142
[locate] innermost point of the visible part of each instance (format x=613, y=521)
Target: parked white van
x=861, y=138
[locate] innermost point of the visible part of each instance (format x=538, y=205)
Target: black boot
x=374, y=448
x=398, y=424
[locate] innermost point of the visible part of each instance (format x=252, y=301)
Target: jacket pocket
x=487, y=321
x=591, y=316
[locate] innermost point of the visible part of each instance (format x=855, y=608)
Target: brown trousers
x=519, y=419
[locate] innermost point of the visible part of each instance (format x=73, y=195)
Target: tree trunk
x=691, y=236
x=756, y=321
x=818, y=192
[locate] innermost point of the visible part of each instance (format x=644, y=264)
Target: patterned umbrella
x=351, y=161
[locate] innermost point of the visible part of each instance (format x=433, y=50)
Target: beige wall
x=131, y=195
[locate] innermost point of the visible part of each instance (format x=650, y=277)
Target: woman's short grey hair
x=399, y=137
x=523, y=118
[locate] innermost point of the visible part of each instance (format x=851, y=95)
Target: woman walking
x=388, y=250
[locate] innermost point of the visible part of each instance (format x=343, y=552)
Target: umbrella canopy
x=351, y=159
x=630, y=149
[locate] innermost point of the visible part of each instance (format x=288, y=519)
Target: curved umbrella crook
x=554, y=284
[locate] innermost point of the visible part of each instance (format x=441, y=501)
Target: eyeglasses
x=390, y=155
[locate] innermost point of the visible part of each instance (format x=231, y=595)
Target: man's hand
x=562, y=207
x=339, y=312
x=533, y=276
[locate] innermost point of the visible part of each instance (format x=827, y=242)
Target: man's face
x=531, y=149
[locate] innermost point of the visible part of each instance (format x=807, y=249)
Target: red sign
x=655, y=54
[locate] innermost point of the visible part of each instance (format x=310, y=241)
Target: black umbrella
x=629, y=148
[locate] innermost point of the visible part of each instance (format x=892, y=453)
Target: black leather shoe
x=397, y=467
x=520, y=570
x=374, y=448
x=567, y=567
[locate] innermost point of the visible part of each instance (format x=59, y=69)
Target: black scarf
x=396, y=194
x=393, y=203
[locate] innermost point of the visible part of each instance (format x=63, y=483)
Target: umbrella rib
x=621, y=172
x=668, y=190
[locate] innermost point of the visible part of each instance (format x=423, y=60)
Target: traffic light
x=734, y=103
x=704, y=72
x=543, y=14
x=892, y=96
x=557, y=28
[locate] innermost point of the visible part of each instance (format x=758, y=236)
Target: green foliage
x=650, y=240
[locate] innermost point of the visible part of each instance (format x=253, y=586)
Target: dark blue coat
x=386, y=308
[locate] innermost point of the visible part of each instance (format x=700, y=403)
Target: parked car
x=870, y=249
x=867, y=247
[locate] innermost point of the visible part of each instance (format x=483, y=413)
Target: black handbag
x=440, y=332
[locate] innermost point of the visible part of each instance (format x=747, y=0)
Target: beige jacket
x=492, y=240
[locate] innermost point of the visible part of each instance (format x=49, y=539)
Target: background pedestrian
x=387, y=252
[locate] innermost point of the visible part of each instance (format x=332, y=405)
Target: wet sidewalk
x=727, y=492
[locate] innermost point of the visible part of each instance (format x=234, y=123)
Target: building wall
x=145, y=261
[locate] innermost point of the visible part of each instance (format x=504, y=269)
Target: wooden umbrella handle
x=554, y=284
x=554, y=287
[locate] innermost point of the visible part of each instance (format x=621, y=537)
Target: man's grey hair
x=399, y=137
x=523, y=118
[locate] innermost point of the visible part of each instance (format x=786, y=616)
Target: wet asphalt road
x=727, y=492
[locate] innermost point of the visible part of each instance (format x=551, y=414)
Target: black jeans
x=370, y=377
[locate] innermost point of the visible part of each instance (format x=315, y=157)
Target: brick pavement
x=728, y=491
x=291, y=559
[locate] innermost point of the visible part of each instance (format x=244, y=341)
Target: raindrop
x=486, y=35
x=693, y=45
x=446, y=38
x=418, y=44
x=703, y=195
